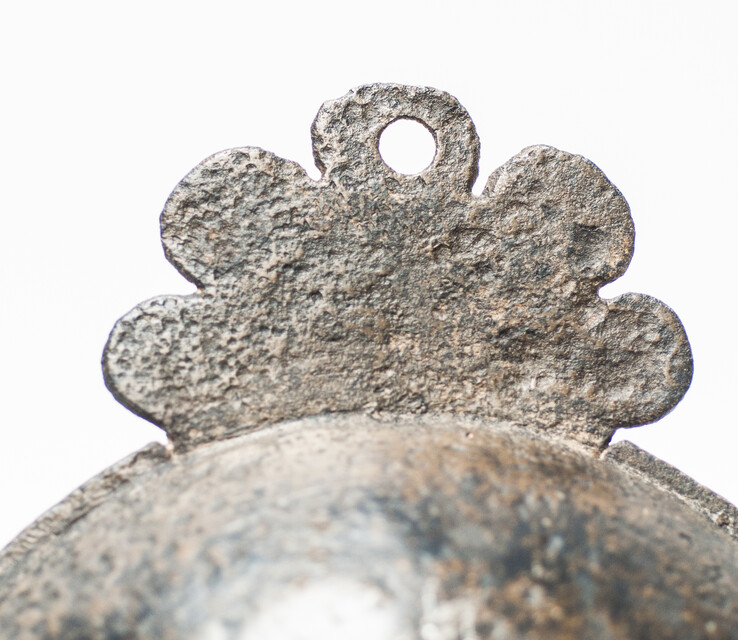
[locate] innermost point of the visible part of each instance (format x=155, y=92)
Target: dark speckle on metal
x=389, y=406
x=370, y=290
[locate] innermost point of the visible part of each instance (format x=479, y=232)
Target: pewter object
x=389, y=406
x=369, y=290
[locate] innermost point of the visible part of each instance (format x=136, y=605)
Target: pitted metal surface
x=369, y=290
x=452, y=380
x=418, y=528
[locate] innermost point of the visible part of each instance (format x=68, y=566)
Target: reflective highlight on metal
x=390, y=405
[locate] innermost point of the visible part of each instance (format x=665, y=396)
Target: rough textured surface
x=369, y=290
x=378, y=296
x=716, y=508
x=416, y=528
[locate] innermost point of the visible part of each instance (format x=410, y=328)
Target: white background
x=105, y=106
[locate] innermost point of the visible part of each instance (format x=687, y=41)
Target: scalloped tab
x=372, y=291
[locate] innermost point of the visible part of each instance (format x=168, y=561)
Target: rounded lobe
x=582, y=212
x=224, y=215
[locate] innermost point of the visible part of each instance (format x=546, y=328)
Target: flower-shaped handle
x=369, y=290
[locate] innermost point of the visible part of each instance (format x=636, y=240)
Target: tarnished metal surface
x=463, y=487
x=369, y=290
x=410, y=528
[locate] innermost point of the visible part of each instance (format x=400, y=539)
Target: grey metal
x=369, y=290
x=389, y=407
x=402, y=528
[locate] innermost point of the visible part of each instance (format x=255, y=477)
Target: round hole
x=407, y=146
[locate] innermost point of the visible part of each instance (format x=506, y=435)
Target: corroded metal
x=421, y=528
x=389, y=406
x=370, y=290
